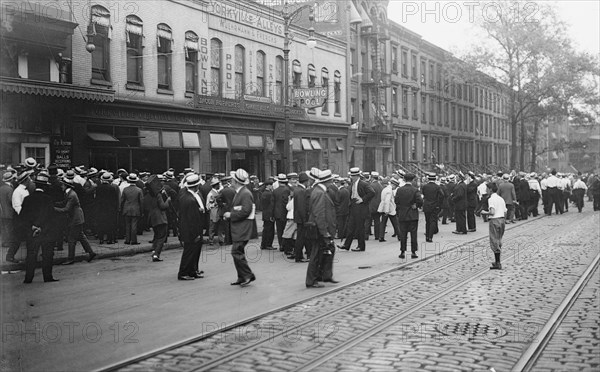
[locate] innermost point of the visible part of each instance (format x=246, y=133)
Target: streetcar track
x=228, y=357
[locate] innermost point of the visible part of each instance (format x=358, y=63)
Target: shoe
x=331, y=281
x=301, y=260
x=471, y=230
x=459, y=233
x=382, y=240
x=236, y=283
x=357, y=249
x=198, y=275
x=50, y=280
x=185, y=277
x=496, y=266
x=270, y=248
x=27, y=281
x=343, y=247
x=126, y=243
x=91, y=257
x=70, y=262
x=316, y=285
x=136, y=243
x=155, y=258
x=402, y=256
x=13, y=260
x=429, y=240
x=414, y=255
x=248, y=281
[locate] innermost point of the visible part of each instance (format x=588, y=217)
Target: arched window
x=133, y=37
x=296, y=73
x=191, y=62
x=278, y=92
x=164, y=48
x=216, y=48
x=260, y=73
x=325, y=84
x=312, y=76
x=240, y=63
x=100, y=19
x=337, y=91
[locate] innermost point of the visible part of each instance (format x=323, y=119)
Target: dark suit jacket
x=266, y=200
x=365, y=191
x=72, y=208
x=408, y=196
x=376, y=200
x=300, y=205
x=191, y=221
x=344, y=201
x=472, y=198
x=459, y=196
x=322, y=212
x=241, y=226
x=131, y=201
x=38, y=210
x=225, y=199
x=433, y=197
x=281, y=195
x=157, y=211
x=507, y=191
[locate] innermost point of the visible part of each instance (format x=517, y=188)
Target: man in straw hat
x=76, y=219
x=432, y=205
x=192, y=207
x=242, y=216
x=39, y=222
x=361, y=193
x=408, y=201
x=496, y=212
x=131, y=208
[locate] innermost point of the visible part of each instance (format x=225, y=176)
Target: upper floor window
x=216, y=49
x=100, y=19
x=325, y=84
x=164, y=45
x=278, y=92
x=423, y=72
x=312, y=76
x=191, y=61
x=405, y=103
x=404, y=63
x=260, y=74
x=414, y=66
x=431, y=74
x=353, y=61
x=337, y=91
x=296, y=74
x=134, y=36
x=240, y=66
x=395, y=59
x=395, y=101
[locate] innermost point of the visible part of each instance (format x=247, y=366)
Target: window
x=240, y=66
x=297, y=73
x=164, y=42
x=431, y=109
x=39, y=151
x=431, y=74
x=395, y=101
x=423, y=108
x=353, y=62
x=325, y=84
x=278, y=93
x=405, y=103
x=423, y=72
x=260, y=74
x=191, y=62
x=312, y=76
x=453, y=116
x=424, y=148
x=414, y=66
x=134, y=36
x=395, y=59
x=460, y=118
x=337, y=91
x=439, y=112
x=413, y=146
x=476, y=97
x=216, y=50
x=446, y=114
x=415, y=114
x=101, y=56
x=404, y=63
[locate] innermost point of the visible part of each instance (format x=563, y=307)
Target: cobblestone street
x=449, y=312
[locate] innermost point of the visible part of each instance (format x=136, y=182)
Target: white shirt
x=579, y=184
x=198, y=199
x=18, y=196
x=552, y=181
x=481, y=190
x=544, y=184
x=497, y=203
x=564, y=184
x=535, y=185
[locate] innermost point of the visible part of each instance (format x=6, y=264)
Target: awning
x=191, y=140
x=239, y=141
x=171, y=139
x=306, y=144
x=366, y=21
x=101, y=137
x=354, y=15
x=256, y=142
x=315, y=144
x=339, y=144
x=296, y=144
x=149, y=138
x=47, y=88
x=218, y=141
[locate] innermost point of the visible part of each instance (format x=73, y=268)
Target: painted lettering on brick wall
x=245, y=16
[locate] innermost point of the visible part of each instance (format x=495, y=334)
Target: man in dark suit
x=300, y=215
x=374, y=216
x=225, y=200
x=131, y=208
x=342, y=209
x=361, y=193
x=268, y=233
x=432, y=204
x=506, y=190
x=281, y=196
x=450, y=185
x=38, y=219
x=472, y=201
x=459, y=199
x=321, y=219
x=191, y=228
x=242, y=216
x=408, y=199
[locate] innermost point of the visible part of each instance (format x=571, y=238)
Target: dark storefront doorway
x=250, y=160
x=369, y=159
x=149, y=160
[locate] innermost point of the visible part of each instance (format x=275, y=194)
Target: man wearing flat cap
x=432, y=204
x=361, y=193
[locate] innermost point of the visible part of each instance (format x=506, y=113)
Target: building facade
x=180, y=84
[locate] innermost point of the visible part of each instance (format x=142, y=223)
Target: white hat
x=324, y=176
x=375, y=174
x=192, y=180
x=355, y=171
x=132, y=177
x=30, y=162
x=282, y=178
x=241, y=176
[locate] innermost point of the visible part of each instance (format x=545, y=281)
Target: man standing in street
x=387, y=209
x=268, y=232
x=553, y=185
x=242, y=216
x=8, y=217
x=374, y=216
x=281, y=197
x=433, y=197
x=131, y=208
x=459, y=199
x=579, y=190
x=408, y=200
x=497, y=210
x=300, y=215
x=506, y=190
x=361, y=193
x=342, y=209
x=191, y=228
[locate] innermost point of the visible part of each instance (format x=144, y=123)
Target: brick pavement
x=531, y=281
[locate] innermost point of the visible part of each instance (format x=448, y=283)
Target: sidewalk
x=103, y=251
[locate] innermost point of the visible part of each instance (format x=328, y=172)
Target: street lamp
x=288, y=17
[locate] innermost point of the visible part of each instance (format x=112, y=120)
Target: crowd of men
x=305, y=211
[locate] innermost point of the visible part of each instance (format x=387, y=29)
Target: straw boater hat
x=106, y=177
x=324, y=176
x=314, y=173
x=43, y=178
x=241, y=176
x=431, y=176
x=8, y=176
x=169, y=175
x=68, y=178
x=192, y=180
x=92, y=172
x=292, y=175
x=355, y=171
x=30, y=163
x=375, y=174
x=282, y=178
x=395, y=181
x=214, y=181
x=132, y=178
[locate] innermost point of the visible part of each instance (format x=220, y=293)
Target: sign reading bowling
x=309, y=97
